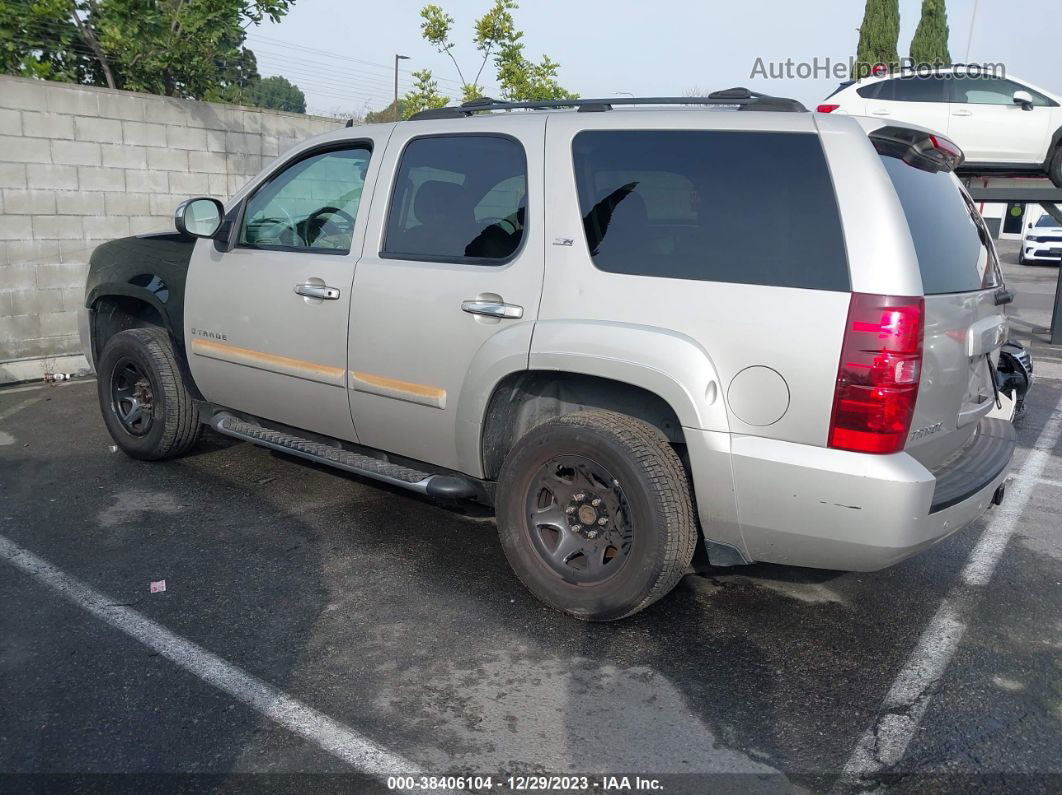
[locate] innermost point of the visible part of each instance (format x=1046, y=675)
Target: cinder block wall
x=81, y=165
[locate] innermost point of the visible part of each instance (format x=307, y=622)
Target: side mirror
x=199, y=217
x=1023, y=98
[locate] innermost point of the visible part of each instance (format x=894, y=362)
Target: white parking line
x=885, y=743
x=341, y=741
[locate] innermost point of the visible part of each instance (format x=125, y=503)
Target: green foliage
x=495, y=34
x=930, y=42
x=277, y=93
x=387, y=114
x=878, y=36
x=182, y=48
x=424, y=96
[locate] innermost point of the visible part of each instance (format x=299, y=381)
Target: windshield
x=1047, y=220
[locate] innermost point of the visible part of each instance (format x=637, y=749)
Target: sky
x=341, y=52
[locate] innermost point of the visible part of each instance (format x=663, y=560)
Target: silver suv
x=625, y=329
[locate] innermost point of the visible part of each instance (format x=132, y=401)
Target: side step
x=449, y=487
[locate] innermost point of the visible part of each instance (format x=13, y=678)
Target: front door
x=989, y=127
x=447, y=290
x=266, y=323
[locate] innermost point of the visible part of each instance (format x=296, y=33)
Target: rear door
x=447, y=291
x=916, y=100
x=964, y=328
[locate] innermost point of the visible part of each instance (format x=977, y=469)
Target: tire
x=634, y=543
x=1021, y=257
x=1054, y=168
x=138, y=370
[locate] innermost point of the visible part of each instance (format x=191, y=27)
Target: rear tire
x=1054, y=168
x=595, y=515
x=145, y=403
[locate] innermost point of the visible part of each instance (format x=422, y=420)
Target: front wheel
x=595, y=514
x=145, y=403
x=1021, y=256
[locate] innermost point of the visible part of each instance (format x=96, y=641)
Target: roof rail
x=740, y=97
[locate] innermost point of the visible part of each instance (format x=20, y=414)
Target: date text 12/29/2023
x=528, y=783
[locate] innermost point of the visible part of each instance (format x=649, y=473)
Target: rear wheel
x=1054, y=169
x=595, y=515
x=145, y=403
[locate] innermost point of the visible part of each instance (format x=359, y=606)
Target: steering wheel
x=315, y=224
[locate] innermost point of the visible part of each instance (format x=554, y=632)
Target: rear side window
x=955, y=253
x=743, y=207
x=918, y=89
x=458, y=198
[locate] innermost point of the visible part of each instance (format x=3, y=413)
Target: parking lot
x=315, y=623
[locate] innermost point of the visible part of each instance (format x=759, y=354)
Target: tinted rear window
x=753, y=208
x=954, y=250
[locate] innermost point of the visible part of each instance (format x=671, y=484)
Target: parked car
x=1002, y=124
x=1041, y=241
x=560, y=314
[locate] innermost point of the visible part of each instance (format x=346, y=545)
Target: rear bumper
x=812, y=506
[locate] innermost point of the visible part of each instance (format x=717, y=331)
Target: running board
x=449, y=487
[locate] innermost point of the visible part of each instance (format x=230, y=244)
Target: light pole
x=969, y=41
x=397, y=59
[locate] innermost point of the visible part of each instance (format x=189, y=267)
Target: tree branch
x=89, y=37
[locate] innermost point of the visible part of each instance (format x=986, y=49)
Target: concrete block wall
x=82, y=165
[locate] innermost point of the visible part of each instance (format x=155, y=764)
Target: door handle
x=881, y=112
x=317, y=291
x=962, y=113
x=492, y=309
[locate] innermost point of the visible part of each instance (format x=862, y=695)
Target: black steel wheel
x=579, y=519
x=132, y=400
x=595, y=514
x=143, y=398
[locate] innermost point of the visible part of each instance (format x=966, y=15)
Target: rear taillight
x=826, y=108
x=877, y=380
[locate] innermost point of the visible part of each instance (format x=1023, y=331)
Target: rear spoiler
x=919, y=148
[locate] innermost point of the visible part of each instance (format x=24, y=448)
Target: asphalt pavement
x=316, y=628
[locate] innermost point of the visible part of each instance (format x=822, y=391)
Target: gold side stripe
x=400, y=390
x=285, y=365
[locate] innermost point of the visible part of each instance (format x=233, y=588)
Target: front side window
x=744, y=207
x=310, y=205
x=991, y=91
x=458, y=198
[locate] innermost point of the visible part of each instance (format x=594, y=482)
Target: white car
x=1003, y=125
x=1041, y=242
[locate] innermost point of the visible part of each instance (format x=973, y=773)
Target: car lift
x=1023, y=190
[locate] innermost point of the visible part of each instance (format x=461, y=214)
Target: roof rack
x=743, y=98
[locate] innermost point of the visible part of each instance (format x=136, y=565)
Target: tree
x=878, y=36
x=277, y=93
x=424, y=96
x=181, y=48
x=495, y=34
x=930, y=42
x=387, y=114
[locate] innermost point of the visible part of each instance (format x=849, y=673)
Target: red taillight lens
x=877, y=380
x=826, y=108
